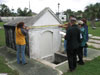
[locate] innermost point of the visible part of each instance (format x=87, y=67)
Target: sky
x=38, y=5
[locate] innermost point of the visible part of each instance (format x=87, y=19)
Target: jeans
x=85, y=52
x=65, y=44
x=21, y=51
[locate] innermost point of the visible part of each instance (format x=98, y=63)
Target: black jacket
x=73, y=37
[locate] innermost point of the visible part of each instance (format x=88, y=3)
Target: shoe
x=20, y=62
x=81, y=63
x=24, y=63
x=84, y=56
x=71, y=70
x=78, y=61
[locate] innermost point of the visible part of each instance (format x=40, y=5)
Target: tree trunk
x=93, y=24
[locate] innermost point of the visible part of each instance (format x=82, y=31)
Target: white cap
x=73, y=19
x=80, y=22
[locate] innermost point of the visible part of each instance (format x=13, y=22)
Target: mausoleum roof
x=31, y=20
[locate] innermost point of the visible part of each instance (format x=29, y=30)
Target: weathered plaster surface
x=44, y=42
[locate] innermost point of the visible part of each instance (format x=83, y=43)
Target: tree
x=13, y=13
x=24, y=12
x=79, y=14
x=68, y=13
x=97, y=6
x=92, y=12
x=4, y=10
x=29, y=13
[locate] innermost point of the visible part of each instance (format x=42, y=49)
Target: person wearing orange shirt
x=21, y=31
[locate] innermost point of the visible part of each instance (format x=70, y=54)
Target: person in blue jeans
x=65, y=41
x=86, y=29
x=21, y=32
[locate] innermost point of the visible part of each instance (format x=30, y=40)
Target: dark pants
x=80, y=54
x=72, y=60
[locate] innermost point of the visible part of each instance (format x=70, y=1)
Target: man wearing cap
x=73, y=43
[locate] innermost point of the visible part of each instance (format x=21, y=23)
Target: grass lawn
x=96, y=23
x=90, y=68
x=2, y=37
x=94, y=32
x=5, y=69
x=1, y=24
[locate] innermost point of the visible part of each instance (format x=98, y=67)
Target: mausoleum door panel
x=46, y=43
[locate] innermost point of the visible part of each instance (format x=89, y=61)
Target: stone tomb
x=45, y=41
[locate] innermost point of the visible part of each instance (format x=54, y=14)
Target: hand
x=24, y=27
x=60, y=25
x=27, y=28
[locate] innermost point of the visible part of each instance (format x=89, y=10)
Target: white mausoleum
x=45, y=41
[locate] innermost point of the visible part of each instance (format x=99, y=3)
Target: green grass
x=5, y=69
x=94, y=32
x=1, y=24
x=96, y=23
x=2, y=37
x=90, y=68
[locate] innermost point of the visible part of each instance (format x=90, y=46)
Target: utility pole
x=29, y=4
x=12, y=11
x=58, y=9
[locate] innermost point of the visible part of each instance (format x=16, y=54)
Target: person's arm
x=86, y=28
x=80, y=37
x=85, y=38
x=24, y=31
x=63, y=26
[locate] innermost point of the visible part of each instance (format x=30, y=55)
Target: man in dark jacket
x=73, y=43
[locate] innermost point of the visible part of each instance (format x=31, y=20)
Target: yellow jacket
x=20, y=38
